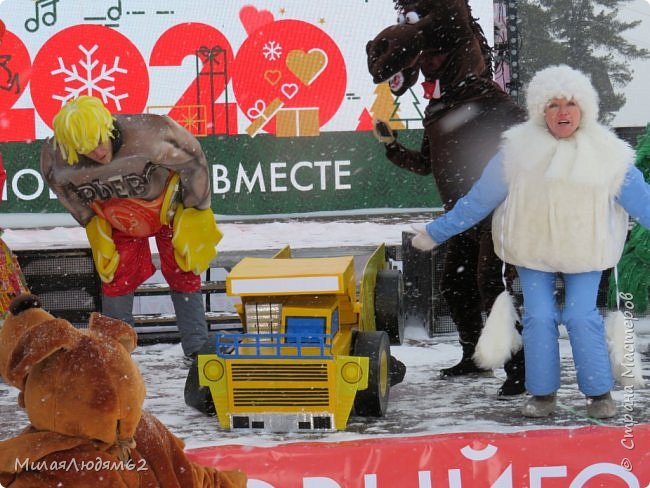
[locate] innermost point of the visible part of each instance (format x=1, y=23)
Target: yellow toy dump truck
x=316, y=343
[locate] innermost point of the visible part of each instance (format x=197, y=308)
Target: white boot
x=601, y=407
x=539, y=406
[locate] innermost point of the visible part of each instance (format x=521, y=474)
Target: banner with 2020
x=269, y=73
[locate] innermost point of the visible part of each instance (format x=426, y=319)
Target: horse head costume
x=463, y=122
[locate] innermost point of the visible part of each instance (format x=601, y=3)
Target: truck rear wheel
x=373, y=401
x=389, y=304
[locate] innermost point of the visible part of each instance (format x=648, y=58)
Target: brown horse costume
x=463, y=123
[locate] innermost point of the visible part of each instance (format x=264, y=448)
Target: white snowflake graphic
x=272, y=50
x=102, y=83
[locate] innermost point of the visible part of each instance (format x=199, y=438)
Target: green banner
x=264, y=175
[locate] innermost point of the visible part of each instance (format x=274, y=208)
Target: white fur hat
x=561, y=81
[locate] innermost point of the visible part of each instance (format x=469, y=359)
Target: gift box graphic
x=295, y=122
x=262, y=114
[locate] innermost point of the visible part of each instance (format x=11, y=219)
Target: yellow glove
x=105, y=255
x=194, y=239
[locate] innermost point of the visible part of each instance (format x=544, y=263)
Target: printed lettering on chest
x=116, y=186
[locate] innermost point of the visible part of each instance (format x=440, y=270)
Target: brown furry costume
x=83, y=394
x=462, y=131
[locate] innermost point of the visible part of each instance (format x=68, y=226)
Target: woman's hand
x=422, y=240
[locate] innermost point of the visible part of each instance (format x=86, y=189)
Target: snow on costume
x=83, y=394
x=126, y=178
x=562, y=206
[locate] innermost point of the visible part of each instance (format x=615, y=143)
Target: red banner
x=3, y=177
x=588, y=457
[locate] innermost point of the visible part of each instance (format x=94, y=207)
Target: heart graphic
x=252, y=19
x=307, y=65
x=289, y=90
x=272, y=76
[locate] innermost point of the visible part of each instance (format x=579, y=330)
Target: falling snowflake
x=272, y=50
x=103, y=82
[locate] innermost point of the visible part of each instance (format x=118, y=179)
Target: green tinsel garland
x=634, y=266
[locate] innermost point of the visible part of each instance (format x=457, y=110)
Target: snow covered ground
x=422, y=404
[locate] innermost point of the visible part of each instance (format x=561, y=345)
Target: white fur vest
x=561, y=214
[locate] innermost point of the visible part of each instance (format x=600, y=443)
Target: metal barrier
x=68, y=286
x=65, y=281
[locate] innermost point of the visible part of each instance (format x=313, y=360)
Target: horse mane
x=477, y=30
x=486, y=50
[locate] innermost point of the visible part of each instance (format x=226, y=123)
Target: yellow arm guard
x=105, y=254
x=194, y=239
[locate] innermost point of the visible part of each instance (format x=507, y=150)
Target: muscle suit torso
x=129, y=190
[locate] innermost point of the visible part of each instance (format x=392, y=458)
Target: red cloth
x=3, y=177
x=431, y=89
x=136, y=266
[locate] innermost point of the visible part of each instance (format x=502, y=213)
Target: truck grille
x=280, y=397
x=273, y=385
x=316, y=372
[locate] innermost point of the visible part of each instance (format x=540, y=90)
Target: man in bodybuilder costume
x=126, y=178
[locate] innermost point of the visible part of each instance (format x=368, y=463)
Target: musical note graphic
x=115, y=12
x=48, y=18
x=113, y=15
x=13, y=80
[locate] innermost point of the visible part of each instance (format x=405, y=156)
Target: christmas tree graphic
x=385, y=107
x=410, y=114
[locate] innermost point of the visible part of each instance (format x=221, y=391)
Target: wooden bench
x=68, y=286
x=152, y=327
x=66, y=282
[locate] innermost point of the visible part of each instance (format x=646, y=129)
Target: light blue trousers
x=584, y=324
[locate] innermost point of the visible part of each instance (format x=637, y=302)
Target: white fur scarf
x=623, y=355
x=593, y=156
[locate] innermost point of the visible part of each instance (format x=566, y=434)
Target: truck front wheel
x=373, y=401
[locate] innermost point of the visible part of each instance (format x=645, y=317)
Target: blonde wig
x=80, y=126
